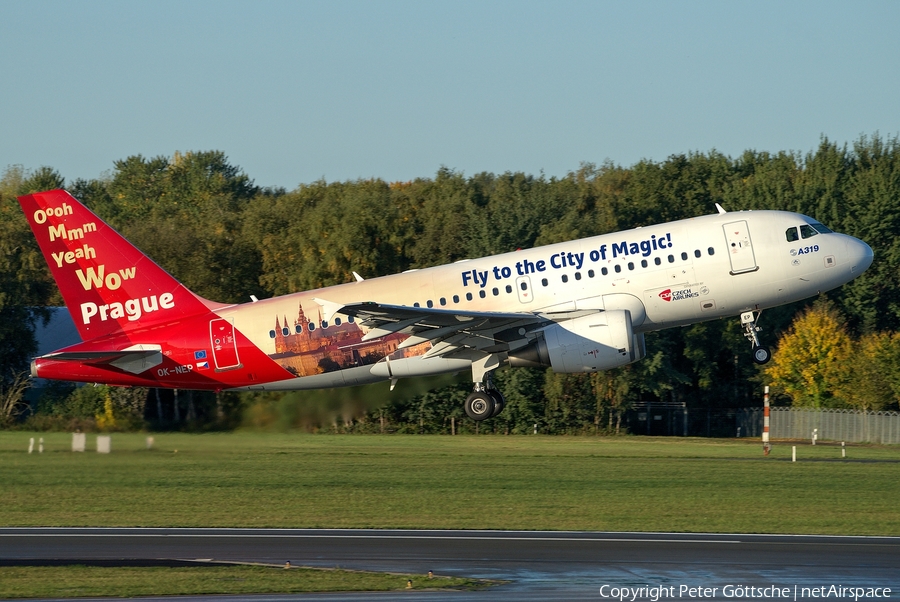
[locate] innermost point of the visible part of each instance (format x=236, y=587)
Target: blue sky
x=297, y=91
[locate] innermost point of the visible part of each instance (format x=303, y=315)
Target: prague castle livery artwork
x=578, y=306
x=303, y=348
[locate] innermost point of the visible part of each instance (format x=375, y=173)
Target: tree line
x=207, y=222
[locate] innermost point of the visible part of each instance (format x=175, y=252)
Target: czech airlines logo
x=669, y=295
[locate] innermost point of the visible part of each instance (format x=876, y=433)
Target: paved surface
x=540, y=565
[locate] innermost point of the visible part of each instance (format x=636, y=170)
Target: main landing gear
x=761, y=354
x=485, y=402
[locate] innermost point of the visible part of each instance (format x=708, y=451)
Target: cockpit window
x=791, y=234
x=820, y=228
x=807, y=231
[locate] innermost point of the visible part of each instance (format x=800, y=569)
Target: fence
x=837, y=425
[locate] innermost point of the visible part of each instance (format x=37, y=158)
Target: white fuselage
x=666, y=275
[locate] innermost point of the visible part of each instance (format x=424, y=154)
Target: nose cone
x=860, y=255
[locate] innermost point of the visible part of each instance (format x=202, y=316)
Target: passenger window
x=482, y=294
x=429, y=303
x=590, y=273
x=508, y=288
x=456, y=298
x=285, y=331
x=298, y=328
x=443, y=301
x=791, y=234
x=468, y=296
x=271, y=334
x=697, y=253
x=684, y=256
x=416, y=304
x=496, y=291
x=807, y=231
x=630, y=265
x=604, y=271
x=565, y=278
x=671, y=259
x=643, y=263
x=657, y=260
x=618, y=268
x=324, y=323
x=711, y=251
x=311, y=326
x=337, y=321
x=577, y=275
x=544, y=282
x=351, y=319
x=524, y=286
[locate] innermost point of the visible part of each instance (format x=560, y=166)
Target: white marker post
x=103, y=444
x=815, y=435
x=794, y=453
x=843, y=450
x=41, y=445
x=766, y=446
x=31, y=445
x=78, y=440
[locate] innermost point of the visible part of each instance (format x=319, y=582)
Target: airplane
x=578, y=306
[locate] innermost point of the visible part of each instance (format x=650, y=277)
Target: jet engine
x=590, y=343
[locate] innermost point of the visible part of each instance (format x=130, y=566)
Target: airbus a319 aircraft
x=578, y=306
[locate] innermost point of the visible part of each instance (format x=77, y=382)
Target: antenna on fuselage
x=719, y=209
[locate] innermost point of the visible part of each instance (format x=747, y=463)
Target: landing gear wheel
x=761, y=355
x=480, y=405
x=499, y=402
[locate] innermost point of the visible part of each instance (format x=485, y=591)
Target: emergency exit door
x=224, y=344
x=740, y=249
x=523, y=288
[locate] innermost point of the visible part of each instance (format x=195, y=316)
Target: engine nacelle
x=587, y=344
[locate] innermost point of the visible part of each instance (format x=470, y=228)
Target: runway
x=538, y=565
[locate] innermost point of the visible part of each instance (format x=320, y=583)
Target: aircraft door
x=224, y=344
x=740, y=249
x=523, y=288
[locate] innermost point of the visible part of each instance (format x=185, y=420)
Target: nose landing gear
x=761, y=353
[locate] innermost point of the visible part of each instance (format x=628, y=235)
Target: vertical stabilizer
x=109, y=286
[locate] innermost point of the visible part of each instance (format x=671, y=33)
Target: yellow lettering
x=91, y=278
x=57, y=232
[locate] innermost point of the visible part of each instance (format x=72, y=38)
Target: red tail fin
x=109, y=286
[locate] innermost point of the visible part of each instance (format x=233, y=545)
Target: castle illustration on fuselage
x=309, y=347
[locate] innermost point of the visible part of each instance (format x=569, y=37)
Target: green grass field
x=128, y=582
x=442, y=482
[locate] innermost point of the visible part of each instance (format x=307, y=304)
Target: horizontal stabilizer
x=134, y=359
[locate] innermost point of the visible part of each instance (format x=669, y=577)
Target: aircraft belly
x=340, y=378
x=418, y=366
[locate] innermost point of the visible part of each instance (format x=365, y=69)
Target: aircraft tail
x=109, y=286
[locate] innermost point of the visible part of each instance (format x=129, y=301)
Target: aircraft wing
x=449, y=331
